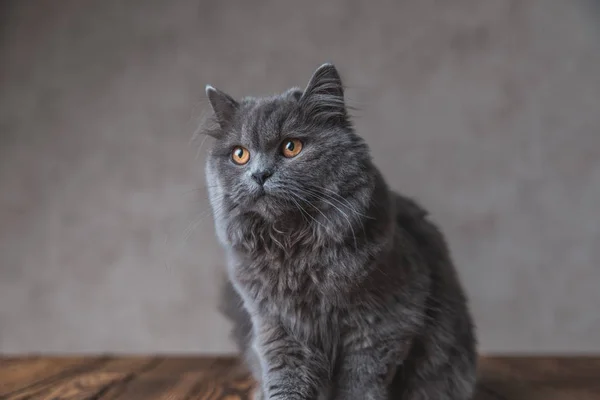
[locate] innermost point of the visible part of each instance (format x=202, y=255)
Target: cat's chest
x=291, y=293
x=278, y=273
x=284, y=280
x=287, y=290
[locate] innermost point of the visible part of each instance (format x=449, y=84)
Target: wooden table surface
x=206, y=378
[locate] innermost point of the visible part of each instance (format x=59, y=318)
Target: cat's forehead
x=262, y=119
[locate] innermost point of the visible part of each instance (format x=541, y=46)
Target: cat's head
x=288, y=153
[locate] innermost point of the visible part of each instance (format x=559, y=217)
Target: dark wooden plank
x=171, y=374
x=231, y=382
x=187, y=378
x=17, y=373
x=85, y=383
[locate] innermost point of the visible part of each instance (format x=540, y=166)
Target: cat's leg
x=290, y=370
x=364, y=375
x=442, y=378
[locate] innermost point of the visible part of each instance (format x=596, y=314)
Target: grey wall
x=486, y=111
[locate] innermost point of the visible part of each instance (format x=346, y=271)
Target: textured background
x=486, y=111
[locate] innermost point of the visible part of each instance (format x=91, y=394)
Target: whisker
x=302, y=212
x=302, y=199
x=318, y=195
x=200, y=147
x=359, y=216
x=339, y=198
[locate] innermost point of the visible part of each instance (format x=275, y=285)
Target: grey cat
x=339, y=288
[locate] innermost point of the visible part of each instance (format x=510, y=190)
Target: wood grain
x=17, y=373
x=214, y=378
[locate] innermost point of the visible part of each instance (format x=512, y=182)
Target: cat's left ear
x=223, y=105
x=323, y=97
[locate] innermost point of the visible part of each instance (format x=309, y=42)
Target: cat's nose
x=261, y=176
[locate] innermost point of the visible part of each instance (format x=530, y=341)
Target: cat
x=339, y=288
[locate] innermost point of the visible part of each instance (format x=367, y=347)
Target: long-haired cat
x=339, y=288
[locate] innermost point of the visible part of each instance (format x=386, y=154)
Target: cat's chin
x=267, y=208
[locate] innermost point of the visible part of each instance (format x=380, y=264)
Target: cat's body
x=339, y=288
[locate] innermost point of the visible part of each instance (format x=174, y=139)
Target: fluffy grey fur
x=338, y=287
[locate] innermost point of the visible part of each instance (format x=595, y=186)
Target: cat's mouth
x=263, y=193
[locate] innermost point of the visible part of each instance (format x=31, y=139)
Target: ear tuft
x=294, y=93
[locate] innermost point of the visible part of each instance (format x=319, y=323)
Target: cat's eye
x=291, y=148
x=240, y=155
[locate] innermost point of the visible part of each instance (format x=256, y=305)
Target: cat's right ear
x=223, y=105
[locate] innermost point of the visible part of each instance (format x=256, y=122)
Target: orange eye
x=240, y=155
x=291, y=148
